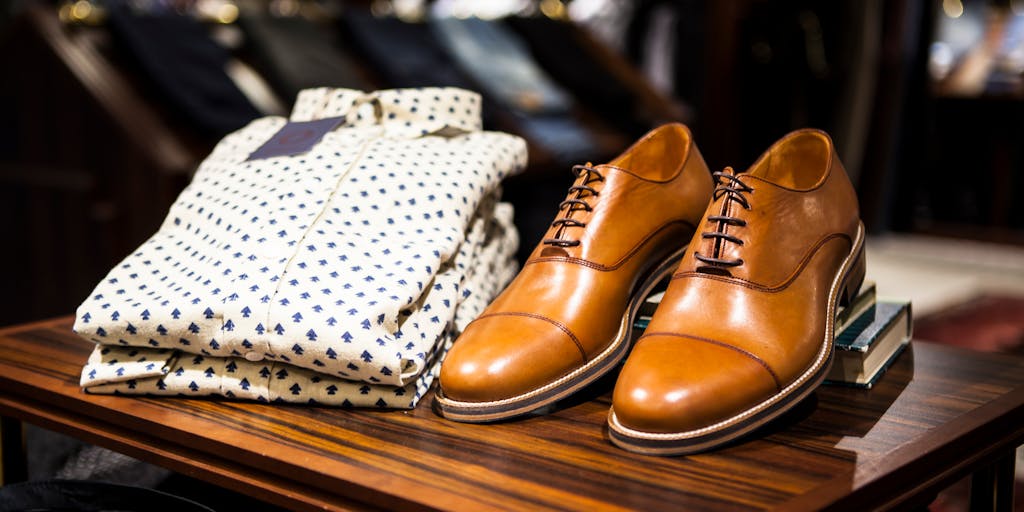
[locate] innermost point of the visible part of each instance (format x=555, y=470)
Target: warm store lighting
x=227, y=13
x=953, y=8
x=553, y=9
x=81, y=10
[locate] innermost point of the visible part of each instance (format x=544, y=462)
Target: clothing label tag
x=296, y=137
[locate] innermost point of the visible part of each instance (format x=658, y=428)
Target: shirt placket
x=259, y=329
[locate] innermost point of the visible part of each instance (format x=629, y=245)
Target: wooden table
x=939, y=414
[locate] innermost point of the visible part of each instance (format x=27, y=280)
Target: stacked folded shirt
x=338, y=275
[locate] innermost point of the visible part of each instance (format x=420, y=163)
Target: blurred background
x=109, y=105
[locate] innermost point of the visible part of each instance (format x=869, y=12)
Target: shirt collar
x=402, y=112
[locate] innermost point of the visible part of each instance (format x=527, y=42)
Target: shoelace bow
x=734, y=190
x=573, y=204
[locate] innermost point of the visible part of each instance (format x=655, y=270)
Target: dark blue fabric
x=492, y=54
x=498, y=60
x=408, y=55
x=293, y=54
x=186, y=66
x=411, y=55
x=557, y=49
x=405, y=54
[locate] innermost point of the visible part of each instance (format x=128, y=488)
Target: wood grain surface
x=938, y=414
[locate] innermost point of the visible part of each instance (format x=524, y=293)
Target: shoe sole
x=602, y=363
x=845, y=285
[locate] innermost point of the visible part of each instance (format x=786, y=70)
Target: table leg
x=992, y=487
x=13, y=462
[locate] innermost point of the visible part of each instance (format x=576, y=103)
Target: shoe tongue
x=576, y=209
x=740, y=175
x=553, y=252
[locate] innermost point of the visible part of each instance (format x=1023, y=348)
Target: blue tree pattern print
x=338, y=275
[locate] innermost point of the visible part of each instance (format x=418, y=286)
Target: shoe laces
x=585, y=174
x=735, y=191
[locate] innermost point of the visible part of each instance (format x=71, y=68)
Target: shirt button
x=254, y=356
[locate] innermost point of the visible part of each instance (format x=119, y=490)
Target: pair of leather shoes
x=758, y=264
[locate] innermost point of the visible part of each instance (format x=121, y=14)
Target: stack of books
x=870, y=334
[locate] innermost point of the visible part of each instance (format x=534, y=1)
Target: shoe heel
x=854, y=280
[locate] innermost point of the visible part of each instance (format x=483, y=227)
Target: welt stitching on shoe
x=785, y=282
x=632, y=252
x=775, y=378
x=560, y=325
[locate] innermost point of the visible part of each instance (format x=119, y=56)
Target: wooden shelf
x=937, y=415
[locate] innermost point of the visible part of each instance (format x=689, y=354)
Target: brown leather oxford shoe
x=566, y=318
x=745, y=329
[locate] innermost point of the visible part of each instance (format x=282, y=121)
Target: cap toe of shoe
x=678, y=384
x=502, y=357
